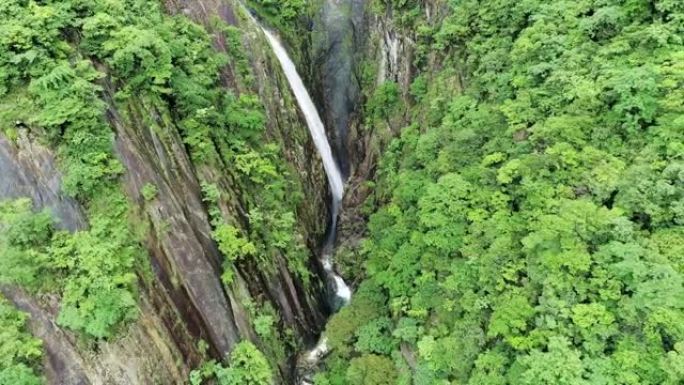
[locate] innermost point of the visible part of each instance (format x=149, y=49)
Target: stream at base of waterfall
x=342, y=291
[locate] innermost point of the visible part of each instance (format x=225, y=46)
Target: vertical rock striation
x=27, y=169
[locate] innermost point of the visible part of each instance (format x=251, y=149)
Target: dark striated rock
x=144, y=351
x=300, y=307
x=180, y=244
x=143, y=354
x=27, y=169
x=336, y=41
x=186, y=261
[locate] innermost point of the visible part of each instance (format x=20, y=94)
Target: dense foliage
x=20, y=352
x=530, y=217
x=91, y=269
x=63, y=66
x=246, y=366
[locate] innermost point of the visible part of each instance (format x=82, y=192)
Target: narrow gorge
x=340, y=293
x=231, y=224
x=341, y=192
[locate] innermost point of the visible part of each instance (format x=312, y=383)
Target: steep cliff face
x=364, y=60
x=146, y=350
x=300, y=307
x=183, y=251
x=197, y=296
x=28, y=169
x=182, y=298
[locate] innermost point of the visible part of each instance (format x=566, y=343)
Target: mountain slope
x=527, y=224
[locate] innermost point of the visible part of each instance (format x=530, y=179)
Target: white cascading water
x=317, y=130
x=313, y=120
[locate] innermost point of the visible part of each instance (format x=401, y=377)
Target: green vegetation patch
x=20, y=353
x=245, y=366
x=91, y=269
x=526, y=226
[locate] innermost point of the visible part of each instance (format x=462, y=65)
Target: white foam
x=318, y=134
x=313, y=120
x=319, y=351
x=341, y=289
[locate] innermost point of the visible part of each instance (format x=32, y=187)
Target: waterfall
x=313, y=120
x=317, y=130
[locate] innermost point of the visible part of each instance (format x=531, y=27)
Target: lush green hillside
x=530, y=219
x=158, y=132
x=166, y=206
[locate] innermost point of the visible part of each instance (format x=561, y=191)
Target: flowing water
x=313, y=120
x=335, y=180
x=317, y=130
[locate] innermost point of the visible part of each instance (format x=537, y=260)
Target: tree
x=246, y=365
x=528, y=222
x=371, y=369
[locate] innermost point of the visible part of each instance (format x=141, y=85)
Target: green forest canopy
x=528, y=225
x=530, y=228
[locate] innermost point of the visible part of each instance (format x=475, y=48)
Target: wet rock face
x=349, y=39
x=180, y=240
x=145, y=350
x=27, y=169
x=340, y=91
x=338, y=34
x=143, y=354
